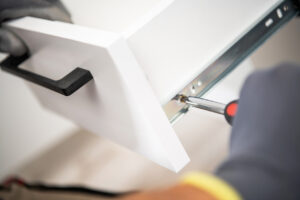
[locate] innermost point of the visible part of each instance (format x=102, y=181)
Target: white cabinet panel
x=118, y=103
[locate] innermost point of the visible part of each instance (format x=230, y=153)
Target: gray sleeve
x=264, y=161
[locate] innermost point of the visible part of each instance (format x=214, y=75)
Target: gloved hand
x=264, y=161
x=12, y=9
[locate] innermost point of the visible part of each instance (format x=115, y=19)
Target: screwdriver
x=228, y=110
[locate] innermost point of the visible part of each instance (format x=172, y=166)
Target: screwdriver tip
x=181, y=98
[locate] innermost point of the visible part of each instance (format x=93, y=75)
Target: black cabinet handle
x=66, y=86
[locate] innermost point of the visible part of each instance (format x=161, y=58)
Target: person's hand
x=12, y=9
x=265, y=143
x=180, y=192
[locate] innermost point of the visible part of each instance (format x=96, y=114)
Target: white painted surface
x=109, y=15
x=179, y=43
x=118, y=103
x=174, y=40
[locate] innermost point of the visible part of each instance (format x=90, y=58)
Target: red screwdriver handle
x=230, y=111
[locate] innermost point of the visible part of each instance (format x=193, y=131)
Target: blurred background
x=40, y=145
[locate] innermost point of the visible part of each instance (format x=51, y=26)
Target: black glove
x=264, y=159
x=12, y=9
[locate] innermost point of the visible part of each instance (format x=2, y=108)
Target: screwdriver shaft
x=204, y=104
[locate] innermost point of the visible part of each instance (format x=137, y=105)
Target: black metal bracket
x=65, y=86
